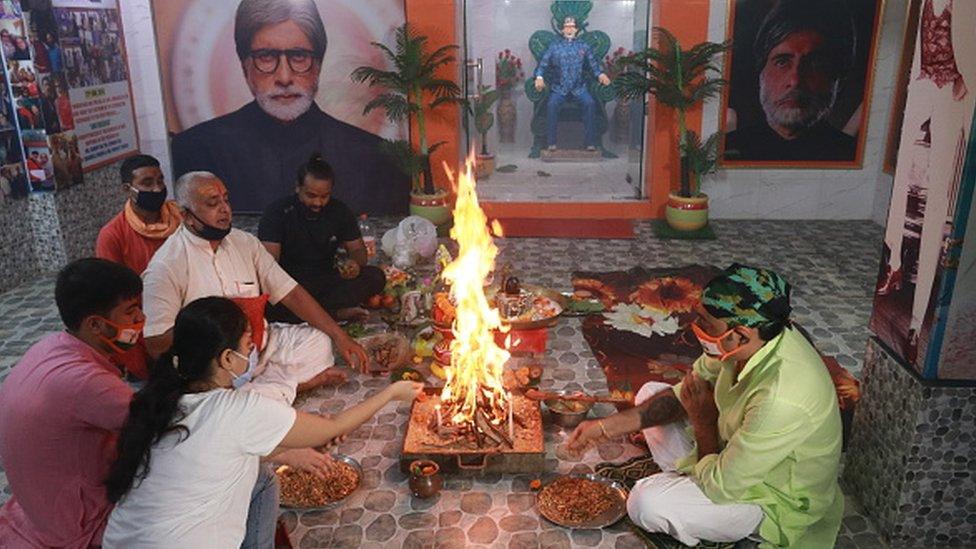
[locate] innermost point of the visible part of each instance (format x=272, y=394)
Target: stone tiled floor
x=830, y=264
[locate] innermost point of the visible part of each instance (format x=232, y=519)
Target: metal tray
x=555, y=296
x=604, y=519
x=338, y=457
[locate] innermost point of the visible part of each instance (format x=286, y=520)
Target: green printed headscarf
x=747, y=296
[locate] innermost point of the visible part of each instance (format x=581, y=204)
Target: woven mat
x=664, y=231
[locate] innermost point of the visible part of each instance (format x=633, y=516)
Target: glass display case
x=544, y=115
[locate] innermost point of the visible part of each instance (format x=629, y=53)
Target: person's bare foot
x=330, y=377
x=352, y=313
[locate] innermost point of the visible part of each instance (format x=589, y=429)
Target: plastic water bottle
x=369, y=237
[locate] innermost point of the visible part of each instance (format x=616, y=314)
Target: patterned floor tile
x=830, y=264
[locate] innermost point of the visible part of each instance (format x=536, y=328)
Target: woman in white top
x=188, y=454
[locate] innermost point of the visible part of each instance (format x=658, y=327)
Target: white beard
x=797, y=118
x=282, y=112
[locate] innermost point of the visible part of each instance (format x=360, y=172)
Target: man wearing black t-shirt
x=303, y=231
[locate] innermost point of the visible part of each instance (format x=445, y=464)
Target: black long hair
x=203, y=329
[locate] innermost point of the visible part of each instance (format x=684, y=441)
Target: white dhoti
x=293, y=354
x=671, y=503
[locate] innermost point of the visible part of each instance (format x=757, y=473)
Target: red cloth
x=524, y=341
x=61, y=408
x=253, y=308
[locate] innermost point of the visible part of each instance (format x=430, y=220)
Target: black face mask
x=209, y=232
x=150, y=201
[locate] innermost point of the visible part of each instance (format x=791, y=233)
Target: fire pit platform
x=463, y=454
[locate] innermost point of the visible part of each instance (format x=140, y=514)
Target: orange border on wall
x=686, y=19
x=435, y=19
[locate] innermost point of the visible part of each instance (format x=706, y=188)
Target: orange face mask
x=712, y=345
x=126, y=336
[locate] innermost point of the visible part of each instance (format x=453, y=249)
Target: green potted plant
x=412, y=80
x=483, y=121
x=680, y=79
x=702, y=161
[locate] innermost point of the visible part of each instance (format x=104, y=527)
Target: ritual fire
x=474, y=412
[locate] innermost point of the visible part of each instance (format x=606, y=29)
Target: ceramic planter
x=687, y=214
x=434, y=207
x=484, y=166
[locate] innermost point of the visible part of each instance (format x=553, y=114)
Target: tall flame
x=477, y=362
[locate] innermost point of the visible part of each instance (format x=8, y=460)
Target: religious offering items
x=304, y=490
x=587, y=501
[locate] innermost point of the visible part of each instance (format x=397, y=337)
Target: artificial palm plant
x=702, y=156
x=412, y=80
x=679, y=79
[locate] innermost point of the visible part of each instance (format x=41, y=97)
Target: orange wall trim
x=435, y=19
x=686, y=19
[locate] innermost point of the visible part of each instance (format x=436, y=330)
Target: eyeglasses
x=267, y=60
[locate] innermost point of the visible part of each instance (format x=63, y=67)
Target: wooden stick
x=498, y=434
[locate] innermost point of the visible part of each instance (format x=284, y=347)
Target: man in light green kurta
x=750, y=440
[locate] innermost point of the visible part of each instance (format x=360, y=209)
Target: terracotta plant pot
x=484, y=166
x=687, y=214
x=425, y=478
x=505, y=113
x=620, y=122
x=434, y=207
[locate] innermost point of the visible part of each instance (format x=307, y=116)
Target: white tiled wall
x=140, y=44
x=736, y=194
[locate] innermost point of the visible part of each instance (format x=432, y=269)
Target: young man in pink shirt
x=61, y=408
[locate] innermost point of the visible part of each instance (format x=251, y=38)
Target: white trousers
x=294, y=354
x=671, y=503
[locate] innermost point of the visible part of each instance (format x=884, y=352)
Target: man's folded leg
x=672, y=504
x=294, y=354
x=670, y=442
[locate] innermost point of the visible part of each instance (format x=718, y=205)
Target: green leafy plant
x=702, y=156
x=412, y=79
x=678, y=78
x=484, y=119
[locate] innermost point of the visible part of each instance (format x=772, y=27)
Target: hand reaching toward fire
x=406, y=391
x=587, y=433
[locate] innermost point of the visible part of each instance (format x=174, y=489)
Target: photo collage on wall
x=67, y=89
x=13, y=174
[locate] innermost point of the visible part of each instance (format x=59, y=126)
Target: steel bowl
x=565, y=418
x=604, y=519
x=338, y=457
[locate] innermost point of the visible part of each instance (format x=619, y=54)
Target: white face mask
x=710, y=348
x=252, y=363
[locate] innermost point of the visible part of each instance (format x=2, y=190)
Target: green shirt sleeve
x=706, y=367
x=771, y=431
